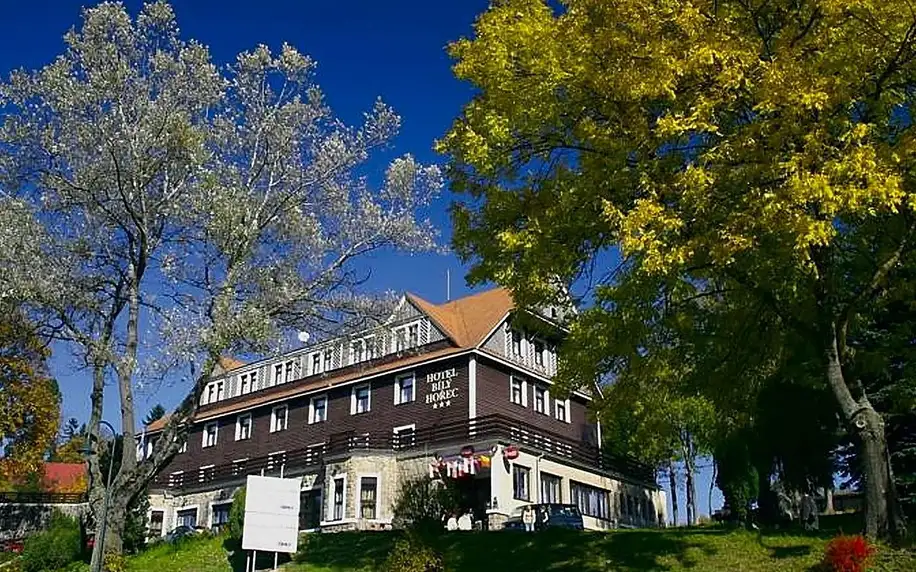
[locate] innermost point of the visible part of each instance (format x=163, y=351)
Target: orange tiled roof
x=466, y=321
x=158, y=424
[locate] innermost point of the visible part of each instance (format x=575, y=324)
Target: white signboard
x=271, y=514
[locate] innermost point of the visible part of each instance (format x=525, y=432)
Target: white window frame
x=405, y=328
x=203, y=443
x=284, y=371
x=213, y=506
x=312, y=419
x=369, y=344
x=540, y=357
x=378, y=496
x=312, y=363
x=546, y=402
x=210, y=394
x=556, y=409
x=250, y=378
x=524, y=381
x=220, y=390
x=238, y=426
x=398, y=389
x=527, y=497
x=274, y=426
x=184, y=446
x=521, y=343
x=330, y=505
x=358, y=343
x=327, y=364
x=353, y=401
x=410, y=427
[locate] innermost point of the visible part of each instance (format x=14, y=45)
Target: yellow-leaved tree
x=29, y=400
x=759, y=152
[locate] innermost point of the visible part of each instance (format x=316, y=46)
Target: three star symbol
x=439, y=404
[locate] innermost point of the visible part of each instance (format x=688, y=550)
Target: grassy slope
x=707, y=549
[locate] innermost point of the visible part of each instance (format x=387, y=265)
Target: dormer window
x=357, y=351
x=316, y=363
x=516, y=343
x=407, y=336
x=285, y=371
x=539, y=353
x=247, y=382
x=328, y=359
x=220, y=390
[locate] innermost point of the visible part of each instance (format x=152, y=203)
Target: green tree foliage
x=53, y=548
x=758, y=155
x=422, y=503
x=736, y=475
x=156, y=413
x=237, y=516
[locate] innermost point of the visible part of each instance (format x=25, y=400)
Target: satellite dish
x=303, y=337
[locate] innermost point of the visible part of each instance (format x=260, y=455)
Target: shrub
x=237, y=516
x=53, y=548
x=847, y=554
x=115, y=563
x=410, y=554
x=421, y=504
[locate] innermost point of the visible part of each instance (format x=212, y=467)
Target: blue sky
x=364, y=49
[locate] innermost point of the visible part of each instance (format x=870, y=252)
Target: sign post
x=271, y=515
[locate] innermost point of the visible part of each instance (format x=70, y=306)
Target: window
x=357, y=351
x=406, y=337
x=563, y=410
x=405, y=389
x=368, y=498
x=220, y=514
x=156, y=519
x=211, y=431
x=591, y=501
x=187, y=517
x=243, y=427
x=520, y=476
x=318, y=409
x=247, y=382
x=316, y=363
x=369, y=341
x=550, y=488
x=541, y=400
x=360, y=400
x=518, y=388
x=278, y=418
x=211, y=394
x=328, y=359
x=220, y=390
x=339, y=484
x=184, y=446
x=284, y=371
x=539, y=353
x=405, y=436
x=516, y=343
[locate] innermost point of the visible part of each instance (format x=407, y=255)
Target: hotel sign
x=439, y=388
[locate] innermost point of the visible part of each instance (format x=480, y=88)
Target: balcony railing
x=492, y=428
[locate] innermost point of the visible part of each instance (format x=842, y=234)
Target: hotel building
x=460, y=390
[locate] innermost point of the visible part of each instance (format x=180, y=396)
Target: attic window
x=406, y=336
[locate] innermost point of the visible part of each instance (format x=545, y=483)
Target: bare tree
x=152, y=198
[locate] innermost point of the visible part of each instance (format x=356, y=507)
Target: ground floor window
x=337, y=512
x=591, y=501
x=187, y=517
x=220, y=514
x=368, y=496
x=156, y=519
x=520, y=478
x=550, y=488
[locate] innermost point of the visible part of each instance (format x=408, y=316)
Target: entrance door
x=309, y=509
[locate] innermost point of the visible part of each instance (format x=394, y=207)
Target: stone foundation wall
x=20, y=520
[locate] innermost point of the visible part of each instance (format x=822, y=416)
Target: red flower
x=847, y=554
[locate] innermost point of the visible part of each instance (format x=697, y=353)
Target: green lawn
x=700, y=550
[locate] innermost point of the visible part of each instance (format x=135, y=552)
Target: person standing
x=528, y=518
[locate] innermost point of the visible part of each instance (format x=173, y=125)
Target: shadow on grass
x=506, y=551
x=238, y=558
x=345, y=550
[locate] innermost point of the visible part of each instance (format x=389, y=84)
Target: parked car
x=552, y=515
x=181, y=532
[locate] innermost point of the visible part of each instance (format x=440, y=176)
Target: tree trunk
x=672, y=484
x=690, y=478
x=115, y=520
x=883, y=518
x=828, y=496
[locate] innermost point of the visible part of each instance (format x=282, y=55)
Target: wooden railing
x=483, y=429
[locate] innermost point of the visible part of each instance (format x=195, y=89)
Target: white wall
x=501, y=486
